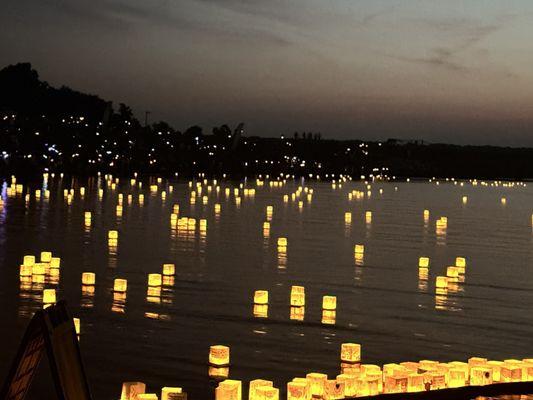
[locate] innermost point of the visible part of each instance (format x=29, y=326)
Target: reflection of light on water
x=87, y=296
x=329, y=317
x=423, y=274
x=218, y=372
x=282, y=257
x=260, y=310
x=297, y=313
x=359, y=259
x=119, y=302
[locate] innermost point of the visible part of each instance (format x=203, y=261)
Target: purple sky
x=443, y=71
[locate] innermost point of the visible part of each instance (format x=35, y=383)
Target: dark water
x=382, y=304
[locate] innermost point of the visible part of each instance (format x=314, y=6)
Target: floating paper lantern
x=465, y=199
x=481, y=376
x=130, y=390
x=55, y=262
x=329, y=302
x=457, y=377
x=510, y=372
x=347, y=217
x=261, y=297
x=452, y=272
x=217, y=208
x=88, y=278
x=317, y=383
x=351, y=352
x=297, y=296
x=460, y=262
x=171, y=393
x=46, y=256
x=49, y=296
x=415, y=383
x=282, y=242
x=112, y=235
x=39, y=268
x=359, y=249
x=297, y=391
x=350, y=384
x=396, y=383
x=120, y=285
x=77, y=325
x=169, y=269
x=368, y=217
x=503, y=201
x=29, y=261
x=234, y=387
x=441, y=282
x=26, y=270
x=219, y=355
x=254, y=385
x=154, y=280
x=423, y=262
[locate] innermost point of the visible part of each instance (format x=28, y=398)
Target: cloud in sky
x=348, y=68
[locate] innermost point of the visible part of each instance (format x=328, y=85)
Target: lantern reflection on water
x=147, y=396
x=218, y=372
x=297, y=313
x=219, y=355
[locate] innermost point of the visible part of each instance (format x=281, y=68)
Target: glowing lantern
x=476, y=362
x=452, y=272
x=154, y=280
x=333, y=389
x=368, y=217
x=28, y=261
x=49, y=296
x=504, y=201
x=217, y=208
x=282, y=242
x=359, y=249
x=480, y=376
x=25, y=270
x=351, y=352
x=465, y=199
x=415, y=383
x=457, y=377
x=46, y=256
x=55, y=262
x=460, y=262
x=317, y=383
x=347, y=217
x=436, y=379
x=396, y=383
x=233, y=387
x=119, y=211
x=39, y=269
x=176, y=209
x=169, y=269
x=441, y=282
x=219, y=355
x=297, y=391
x=120, y=285
x=350, y=384
x=130, y=390
x=77, y=325
x=297, y=296
x=329, y=302
x=88, y=278
x=261, y=297
x=112, y=235
x=510, y=372
x=496, y=367
x=423, y=262
x=253, y=393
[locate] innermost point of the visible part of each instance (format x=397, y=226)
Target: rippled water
x=382, y=304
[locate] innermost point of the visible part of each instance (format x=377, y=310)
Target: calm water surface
x=382, y=304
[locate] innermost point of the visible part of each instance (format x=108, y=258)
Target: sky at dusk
x=443, y=71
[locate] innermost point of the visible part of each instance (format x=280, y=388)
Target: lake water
x=383, y=304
